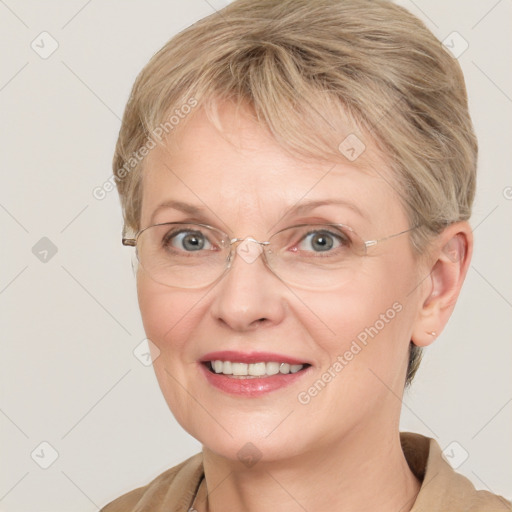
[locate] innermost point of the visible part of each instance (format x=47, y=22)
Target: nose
x=249, y=294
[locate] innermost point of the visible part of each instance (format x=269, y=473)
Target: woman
x=296, y=178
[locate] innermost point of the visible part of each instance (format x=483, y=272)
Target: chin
x=249, y=449
x=237, y=434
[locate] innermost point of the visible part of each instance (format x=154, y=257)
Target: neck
x=362, y=472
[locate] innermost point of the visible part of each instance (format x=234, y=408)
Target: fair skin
x=341, y=451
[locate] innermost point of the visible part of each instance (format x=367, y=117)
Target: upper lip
x=249, y=357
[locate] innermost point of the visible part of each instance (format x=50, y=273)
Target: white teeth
x=254, y=369
x=239, y=368
x=284, y=368
x=272, y=368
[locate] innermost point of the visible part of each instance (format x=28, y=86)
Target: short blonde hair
x=313, y=72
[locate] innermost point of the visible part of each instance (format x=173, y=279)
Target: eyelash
x=340, y=240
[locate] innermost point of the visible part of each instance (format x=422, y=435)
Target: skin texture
x=340, y=451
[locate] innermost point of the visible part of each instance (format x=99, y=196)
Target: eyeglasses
x=196, y=255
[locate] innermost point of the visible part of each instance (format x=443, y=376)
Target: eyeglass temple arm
x=371, y=243
x=131, y=242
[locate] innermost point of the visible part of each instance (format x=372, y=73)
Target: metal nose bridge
x=248, y=239
x=249, y=250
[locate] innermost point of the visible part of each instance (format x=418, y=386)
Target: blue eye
x=187, y=240
x=322, y=241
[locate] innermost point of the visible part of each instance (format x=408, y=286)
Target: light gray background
x=69, y=325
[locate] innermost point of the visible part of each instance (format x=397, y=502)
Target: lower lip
x=252, y=387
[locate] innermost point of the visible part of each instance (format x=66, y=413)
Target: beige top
x=442, y=489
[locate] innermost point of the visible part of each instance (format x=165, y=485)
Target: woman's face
x=352, y=338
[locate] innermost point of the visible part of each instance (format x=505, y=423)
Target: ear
x=449, y=263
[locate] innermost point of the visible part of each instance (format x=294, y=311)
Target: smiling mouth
x=259, y=370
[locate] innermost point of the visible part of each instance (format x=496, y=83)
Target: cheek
x=367, y=323
x=170, y=318
x=168, y=315
x=364, y=355
x=352, y=320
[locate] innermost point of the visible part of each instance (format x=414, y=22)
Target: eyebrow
x=305, y=206
x=180, y=206
x=196, y=212
x=298, y=209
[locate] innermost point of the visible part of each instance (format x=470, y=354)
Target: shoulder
x=442, y=488
x=173, y=490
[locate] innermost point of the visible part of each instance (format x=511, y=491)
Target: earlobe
x=451, y=258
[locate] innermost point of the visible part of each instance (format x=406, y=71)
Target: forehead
x=240, y=171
